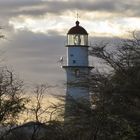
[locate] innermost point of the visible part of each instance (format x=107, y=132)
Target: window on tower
x=74, y=61
x=77, y=72
x=78, y=39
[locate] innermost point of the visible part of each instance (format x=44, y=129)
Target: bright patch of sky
x=54, y=0
x=98, y=27
x=45, y=24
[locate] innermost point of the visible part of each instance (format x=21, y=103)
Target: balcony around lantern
x=65, y=65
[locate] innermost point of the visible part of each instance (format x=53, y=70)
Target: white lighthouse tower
x=77, y=67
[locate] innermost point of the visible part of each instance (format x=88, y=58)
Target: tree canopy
x=116, y=93
x=12, y=101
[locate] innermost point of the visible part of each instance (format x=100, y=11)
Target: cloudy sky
x=36, y=31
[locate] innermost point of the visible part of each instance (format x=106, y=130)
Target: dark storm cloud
x=38, y=8
x=125, y=8
x=14, y=7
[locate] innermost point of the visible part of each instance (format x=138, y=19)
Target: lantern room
x=77, y=36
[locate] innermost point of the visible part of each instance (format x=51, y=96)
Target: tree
x=12, y=101
x=37, y=108
x=116, y=93
x=42, y=108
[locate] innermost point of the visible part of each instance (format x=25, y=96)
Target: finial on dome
x=77, y=23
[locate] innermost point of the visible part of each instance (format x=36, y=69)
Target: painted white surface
x=77, y=56
x=77, y=71
x=72, y=75
x=78, y=92
x=76, y=84
x=77, y=67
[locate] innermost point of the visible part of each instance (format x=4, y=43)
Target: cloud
x=45, y=16
x=35, y=56
x=37, y=7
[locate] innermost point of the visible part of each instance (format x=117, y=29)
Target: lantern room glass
x=77, y=39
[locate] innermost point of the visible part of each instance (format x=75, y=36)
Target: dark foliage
x=116, y=93
x=12, y=101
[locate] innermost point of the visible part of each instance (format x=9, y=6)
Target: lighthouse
x=77, y=67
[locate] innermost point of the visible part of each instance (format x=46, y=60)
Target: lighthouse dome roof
x=77, y=29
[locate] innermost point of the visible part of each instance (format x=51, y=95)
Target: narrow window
x=74, y=61
x=77, y=72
